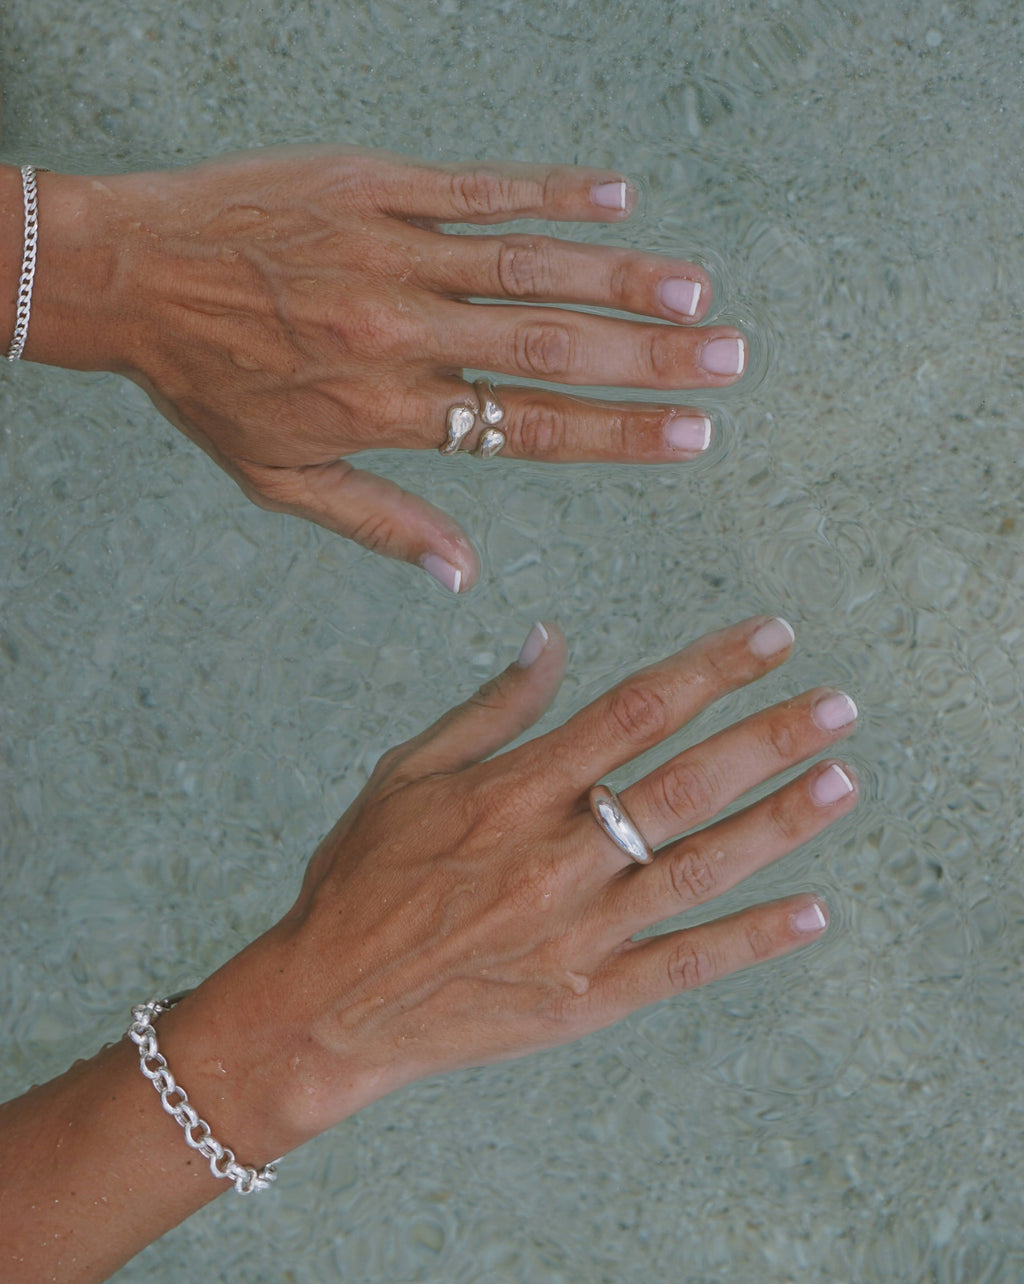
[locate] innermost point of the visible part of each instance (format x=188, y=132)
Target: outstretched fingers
x=653, y=704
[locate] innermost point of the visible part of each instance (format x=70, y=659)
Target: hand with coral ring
x=290, y=307
x=467, y=908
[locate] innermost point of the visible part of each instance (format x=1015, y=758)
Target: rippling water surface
x=192, y=690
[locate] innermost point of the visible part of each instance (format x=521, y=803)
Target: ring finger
x=551, y=427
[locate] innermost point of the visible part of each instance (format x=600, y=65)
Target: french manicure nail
x=610, y=196
x=445, y=573
x=536, y=640
x=723, y=356
x=688, y=432
x=831, y=785
x=771, y=638
x=833, y=711
x=809, y=919
x=680, y=295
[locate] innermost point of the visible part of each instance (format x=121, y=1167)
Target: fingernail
x=833, y=711
x=444, y=572
x=771, y=638
x=680, y=295
x=536, y=640
x=809, y=919
x=688, y=432
x=723, y=356
x=610, y=196
x=831, y=785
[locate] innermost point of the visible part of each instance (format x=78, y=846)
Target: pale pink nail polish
x=809, y=919
x=445, y=573
x=688, y=432
x=831, y=785
x=532, y=649
x=723, y=356
x=833, y=711
x=610, y=196
x=771, y=638
x=680, y=295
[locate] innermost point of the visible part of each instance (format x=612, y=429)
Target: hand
x=290, y=307
x=468, y=908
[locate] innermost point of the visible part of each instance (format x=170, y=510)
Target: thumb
x=501, y=710
x=372, y=511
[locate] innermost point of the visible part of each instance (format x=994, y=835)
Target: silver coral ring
x=491, y=414
x=460, y=421
x=613, y=818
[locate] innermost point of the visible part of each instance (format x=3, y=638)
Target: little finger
x=662, y=966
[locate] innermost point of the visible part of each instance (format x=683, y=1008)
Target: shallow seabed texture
x=193, y=690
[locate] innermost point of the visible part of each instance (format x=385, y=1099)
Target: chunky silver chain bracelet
x=174, y=1099
x=28, y=263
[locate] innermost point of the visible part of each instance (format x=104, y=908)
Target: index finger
x=653, y=704
x=495, y=193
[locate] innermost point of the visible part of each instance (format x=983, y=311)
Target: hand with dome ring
x=290, y=307
x=468, y=907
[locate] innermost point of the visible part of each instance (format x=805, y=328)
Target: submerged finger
x=663, y=966
x=495, y=192
x=372, y=511
x=646, y=708
x=706, y=864
x=501, y=710
x=543, y=269
x=562, y=346
x=696, y=785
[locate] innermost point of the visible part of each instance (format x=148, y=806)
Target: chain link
x=28, y=263
x=174, y=1100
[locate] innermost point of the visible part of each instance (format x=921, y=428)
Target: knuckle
x=781, y=738
x=371, y=330
x=479, y=192
x=542, y=433
x=662, y=355
x=543, y=349
x=760, y=943
x=688, y=791
x=375, y=532
x=534, y=887
x=523, y=267
x=622, y=278
x=784, y=821
x=689, y=967
x=692, y=876
x=639, y=713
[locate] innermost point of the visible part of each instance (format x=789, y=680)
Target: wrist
x=79, y=320
x=241, y=1048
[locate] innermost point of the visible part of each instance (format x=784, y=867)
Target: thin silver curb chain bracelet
x=28, y=263
x=174, y=1099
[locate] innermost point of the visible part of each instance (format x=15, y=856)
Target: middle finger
x=569, y=347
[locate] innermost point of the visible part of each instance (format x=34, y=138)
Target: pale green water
x=192, y=690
